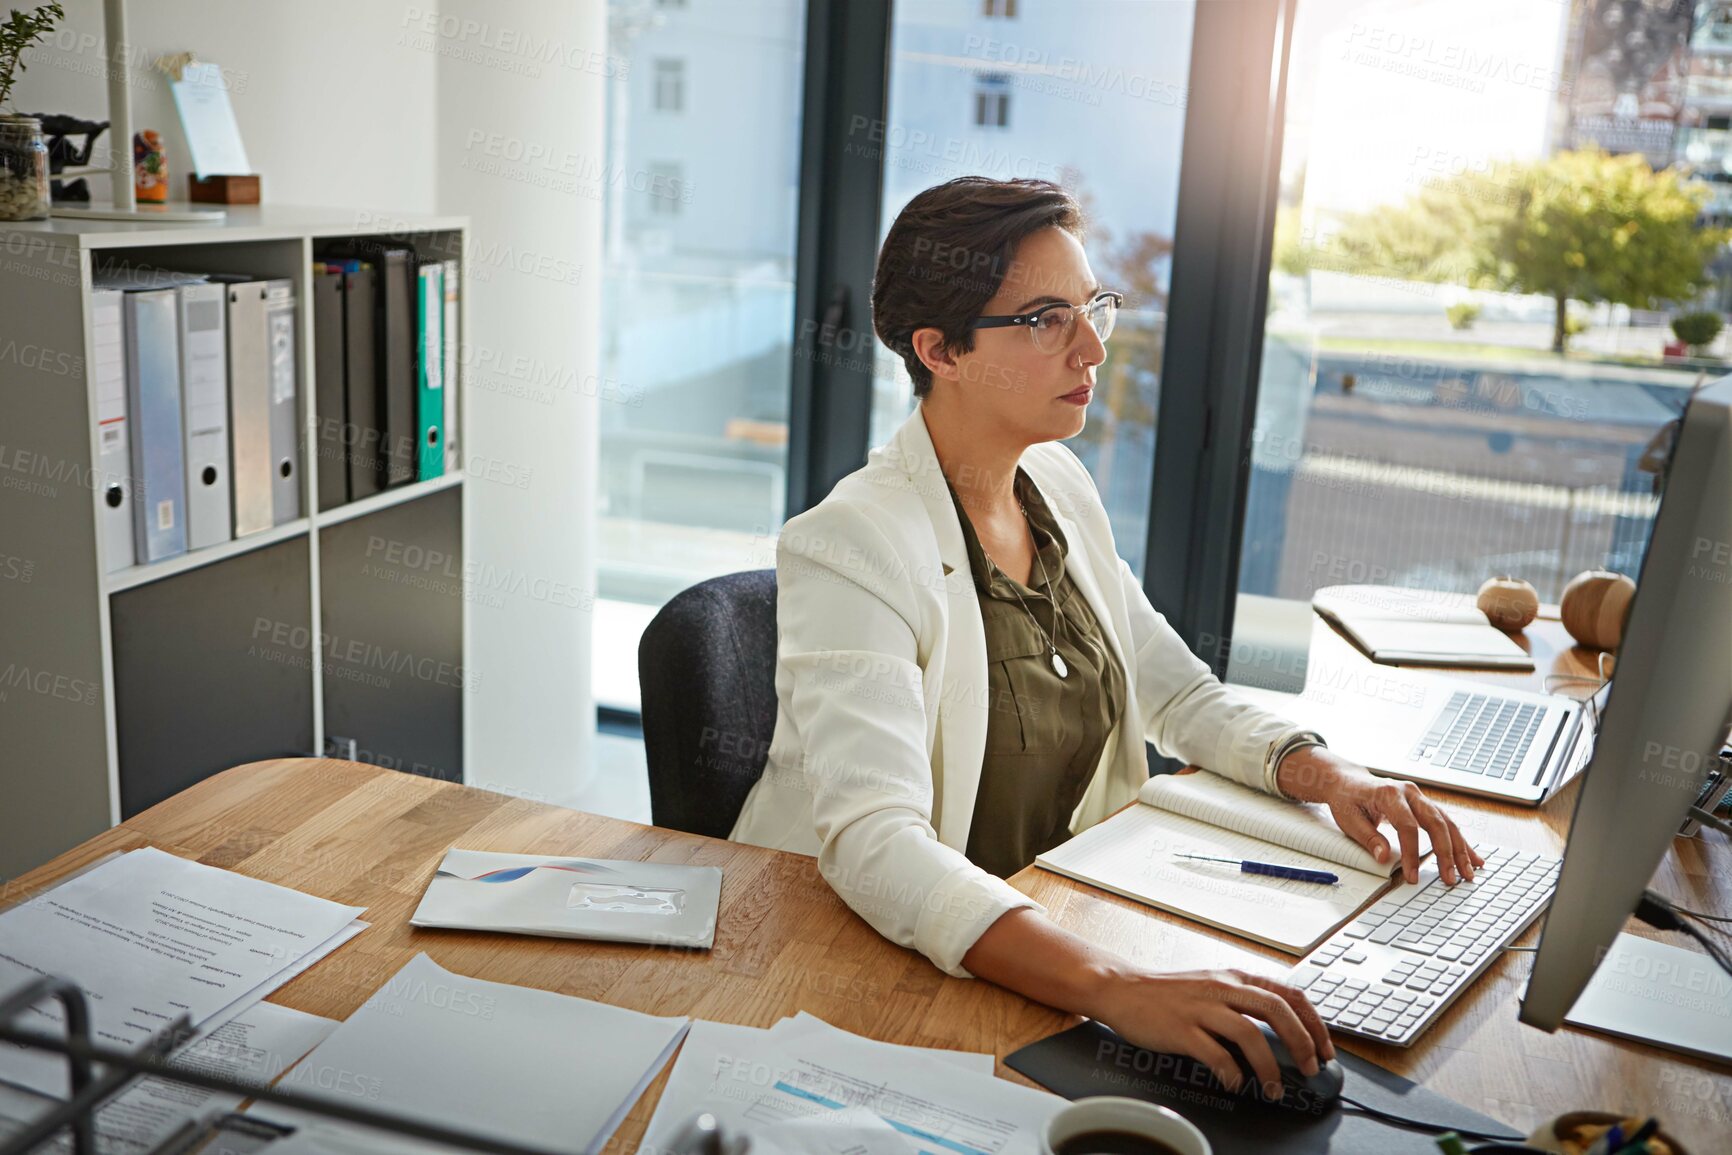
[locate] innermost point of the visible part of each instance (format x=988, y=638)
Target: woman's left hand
x=1361, y=801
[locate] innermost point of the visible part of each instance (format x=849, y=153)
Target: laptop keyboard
x=1390, y=973
x=1480, y=734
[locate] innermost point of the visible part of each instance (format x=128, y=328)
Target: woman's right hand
x=1191, y=1012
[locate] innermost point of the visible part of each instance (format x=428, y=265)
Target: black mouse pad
x=1089, y=1060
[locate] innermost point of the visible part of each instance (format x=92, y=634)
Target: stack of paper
x=150, y=937
x=804, y=1087
x=255, y=1047
x=530, y=1066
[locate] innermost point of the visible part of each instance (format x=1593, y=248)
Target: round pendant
x=1058, y=664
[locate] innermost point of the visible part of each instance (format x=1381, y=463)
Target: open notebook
x=1403, y=627
x=1133, y=853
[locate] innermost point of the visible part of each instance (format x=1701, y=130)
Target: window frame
x=668, y=74
x=1229, y=189
x=1223, y=236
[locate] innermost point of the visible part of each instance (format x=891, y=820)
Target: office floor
x=620, y=785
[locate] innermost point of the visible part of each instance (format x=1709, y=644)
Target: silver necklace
x=1058, y=663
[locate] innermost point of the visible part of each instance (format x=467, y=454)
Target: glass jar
x=23, y=170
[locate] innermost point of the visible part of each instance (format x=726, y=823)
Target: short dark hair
x=946, y=256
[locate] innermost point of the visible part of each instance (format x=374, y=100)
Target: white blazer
x=882, y=692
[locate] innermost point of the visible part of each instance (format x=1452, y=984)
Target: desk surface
x=785, y=942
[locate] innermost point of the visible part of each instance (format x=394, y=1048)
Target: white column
x=521, y=87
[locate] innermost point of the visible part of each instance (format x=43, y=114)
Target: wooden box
x=223, y=190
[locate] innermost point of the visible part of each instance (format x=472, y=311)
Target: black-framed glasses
x=1053, y=326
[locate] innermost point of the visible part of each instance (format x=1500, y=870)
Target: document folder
x=430, y=370
x=361, y=381
x=285, y=418
x=394, y=328
x=249, y=407
x=113, y=447
x=153, y=401
x=450, y=375
x=328, y=387
x=204, y=394
x=396, y=336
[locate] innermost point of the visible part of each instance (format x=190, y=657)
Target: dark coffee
x=1113, y=1143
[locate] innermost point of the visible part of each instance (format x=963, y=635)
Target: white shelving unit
x=61, y=752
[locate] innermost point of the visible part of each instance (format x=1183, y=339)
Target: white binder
x=204, y=382
x=113, y=449
x=153, y=410
x=285, y=435
x=450, y=375
x=249, y=407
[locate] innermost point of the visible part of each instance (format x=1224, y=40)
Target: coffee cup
x=1111, y=1125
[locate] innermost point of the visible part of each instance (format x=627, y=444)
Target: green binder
x=429, y=373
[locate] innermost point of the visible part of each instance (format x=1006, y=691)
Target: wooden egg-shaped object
x=1508, y=603
x=1594, y=607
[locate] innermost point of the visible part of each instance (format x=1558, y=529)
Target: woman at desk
x=967, y=670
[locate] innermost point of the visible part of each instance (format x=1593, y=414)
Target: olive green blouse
x=1044, y=733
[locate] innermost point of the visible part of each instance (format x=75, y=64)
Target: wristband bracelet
x=1278, y=751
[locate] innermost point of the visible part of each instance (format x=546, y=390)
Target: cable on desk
x=1429, y=1128
x=1658, y=912
x=1704, y=917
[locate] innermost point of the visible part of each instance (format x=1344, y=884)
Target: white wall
x=375, y=106
x=525, y=79
x=332, y=109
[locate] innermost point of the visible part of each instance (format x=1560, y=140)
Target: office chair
x=707, y=672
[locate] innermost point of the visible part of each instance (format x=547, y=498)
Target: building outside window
x=992, y=101
x=666, y=187
x=670, y=82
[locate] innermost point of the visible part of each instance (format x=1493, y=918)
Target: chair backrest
x=707, y=672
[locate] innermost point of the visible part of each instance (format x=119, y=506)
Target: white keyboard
x=1390, y=973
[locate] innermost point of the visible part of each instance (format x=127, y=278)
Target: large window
x=992, y=101
x=1416, y=424
x=697, y=300
x=670, y=85
x=1095, y=91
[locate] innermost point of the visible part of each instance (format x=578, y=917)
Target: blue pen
x=1611, y=1141
x=1638, y=1140
x=1272, y=869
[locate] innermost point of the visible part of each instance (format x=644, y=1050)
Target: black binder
x=390, y=409
x=396, y=336
x=361, y=385
x=328, y=388
x=1090, y=1060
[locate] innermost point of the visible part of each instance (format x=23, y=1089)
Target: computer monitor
x=1664, y=717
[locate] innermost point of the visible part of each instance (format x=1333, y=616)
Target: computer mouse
x=1311, y=1094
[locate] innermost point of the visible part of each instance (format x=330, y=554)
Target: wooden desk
x=785, y=942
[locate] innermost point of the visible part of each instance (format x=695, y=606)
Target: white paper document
x=256, y=1046
x=614, y=901
x=788, y=1088
x=806, y=1024
x=540, y=1068
x=149, y=937
x=1658, y=993
x=212, y=136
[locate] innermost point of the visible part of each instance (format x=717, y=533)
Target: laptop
x=1454, y=733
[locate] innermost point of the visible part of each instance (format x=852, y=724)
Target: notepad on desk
x=1406, y=627
x=1135, y=853
x=595, y=898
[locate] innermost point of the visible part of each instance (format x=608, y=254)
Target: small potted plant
x=23, y=156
